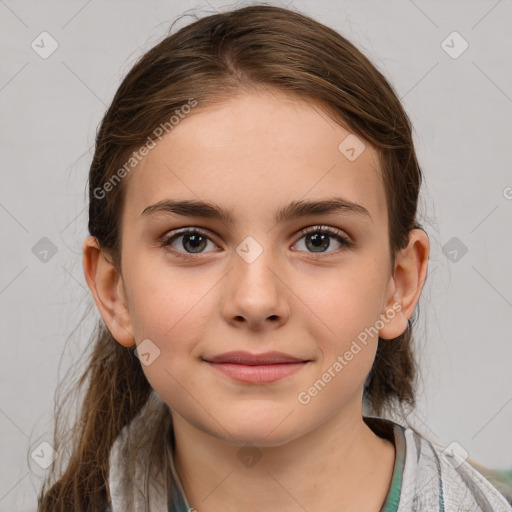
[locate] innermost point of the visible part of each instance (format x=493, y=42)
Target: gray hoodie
x=426, y=478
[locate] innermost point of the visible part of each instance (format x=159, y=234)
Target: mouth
x=256, y=368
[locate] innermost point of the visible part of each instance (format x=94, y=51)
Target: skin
x=252, y=155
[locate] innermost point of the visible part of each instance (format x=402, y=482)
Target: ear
x=107, y=287
x=406, y=284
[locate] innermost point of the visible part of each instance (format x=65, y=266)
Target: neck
x=341, y=465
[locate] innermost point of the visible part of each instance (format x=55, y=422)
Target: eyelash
x=324, y=230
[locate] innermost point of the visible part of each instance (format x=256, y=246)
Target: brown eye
x=318, y=239
x=192, y=241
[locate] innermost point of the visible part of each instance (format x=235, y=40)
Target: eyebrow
x=301, y=208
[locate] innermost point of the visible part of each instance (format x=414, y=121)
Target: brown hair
x=260, y=48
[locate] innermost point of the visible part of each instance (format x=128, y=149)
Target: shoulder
x=437, y=476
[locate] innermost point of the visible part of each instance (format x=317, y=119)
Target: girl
x=256, y=260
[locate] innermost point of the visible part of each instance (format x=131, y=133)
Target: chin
x=262, y=439
x=258, y=430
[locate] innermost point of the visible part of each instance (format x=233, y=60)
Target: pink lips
x=256, y=368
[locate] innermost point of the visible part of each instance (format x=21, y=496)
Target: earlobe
x=406, y=284
x=107, y=289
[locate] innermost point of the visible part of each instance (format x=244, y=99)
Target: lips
x=246, y=358
x=256, y=368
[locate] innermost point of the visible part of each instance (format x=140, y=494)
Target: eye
x=193, y=241
x=187, y=242
x=317, y=239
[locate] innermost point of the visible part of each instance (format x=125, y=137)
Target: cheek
x=171, y=310
x=166, y=305
x=341, y=304
x=344, y=331
x=341, y=317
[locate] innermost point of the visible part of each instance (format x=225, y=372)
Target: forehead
x=254, y=152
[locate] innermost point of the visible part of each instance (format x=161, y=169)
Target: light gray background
x=461, y=109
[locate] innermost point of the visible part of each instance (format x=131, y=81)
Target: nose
x=256, y=294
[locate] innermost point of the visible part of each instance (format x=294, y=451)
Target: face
x=265, y=277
